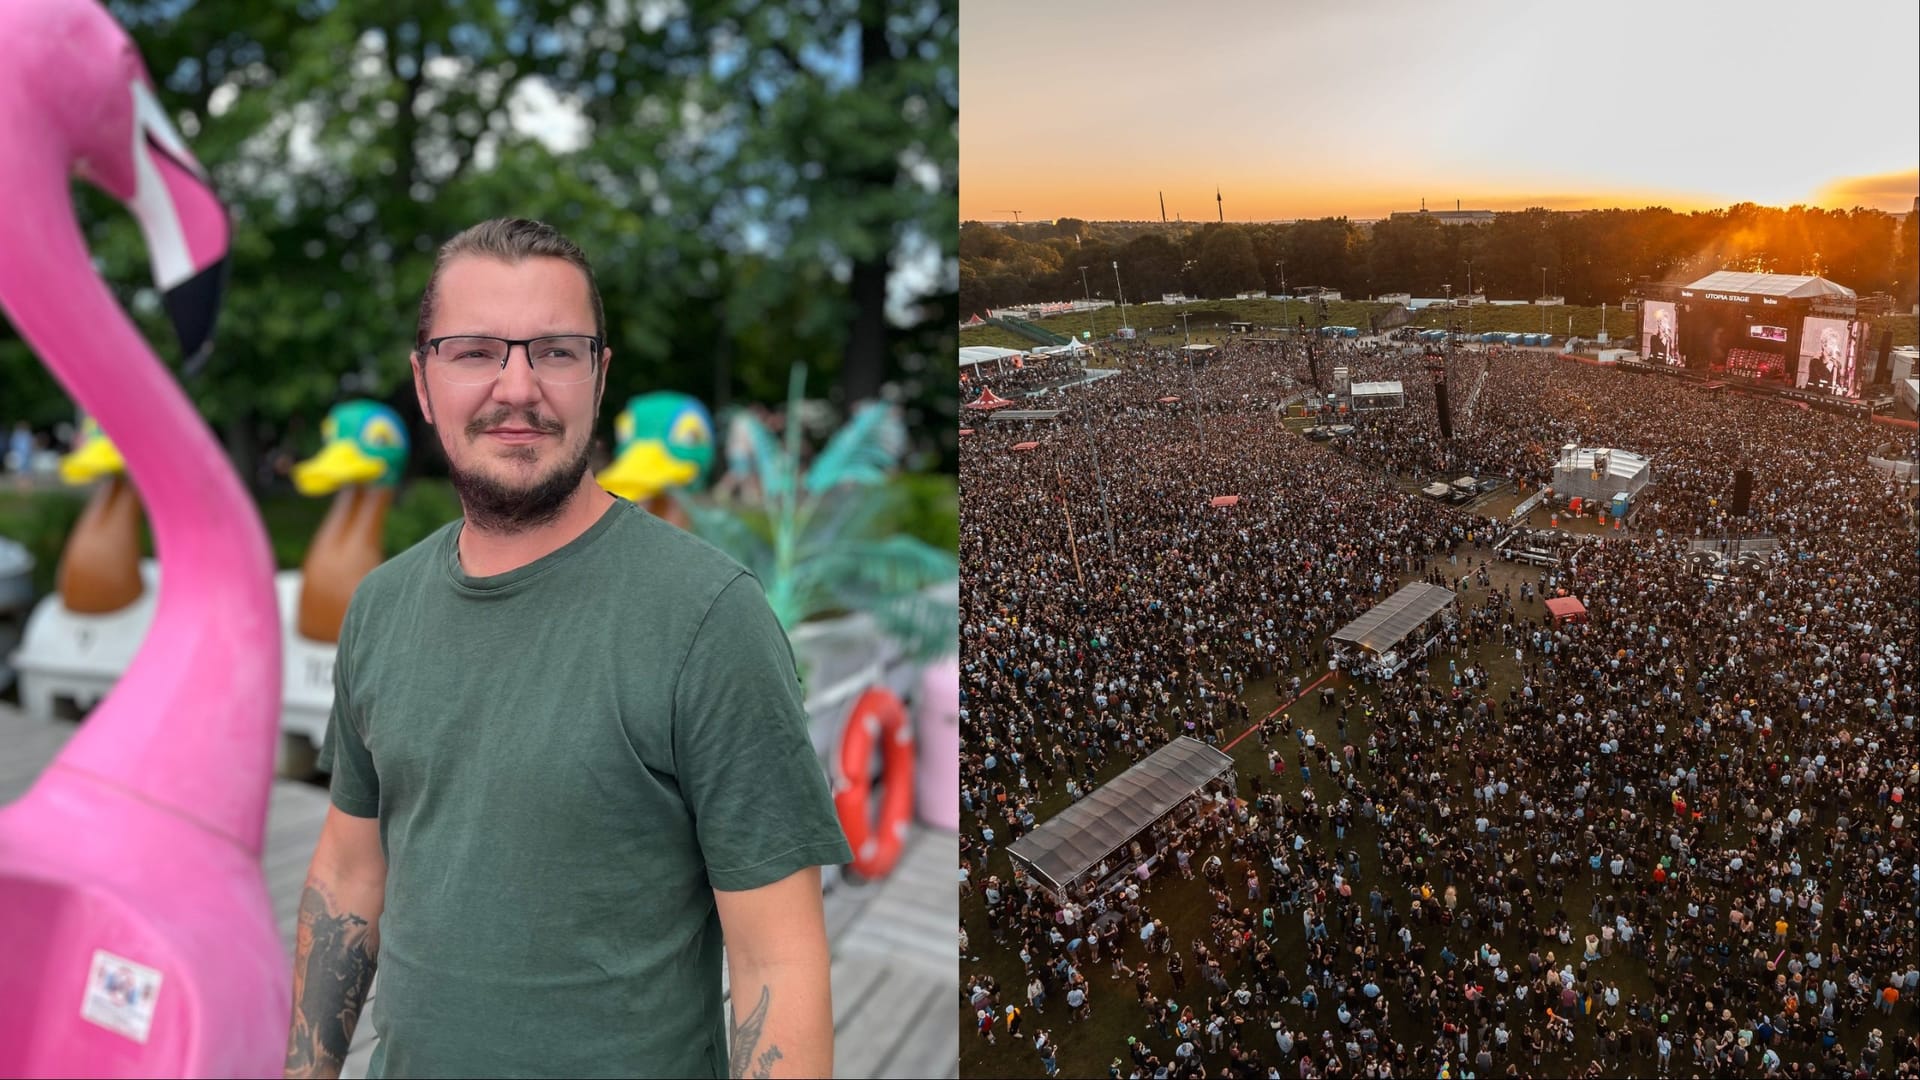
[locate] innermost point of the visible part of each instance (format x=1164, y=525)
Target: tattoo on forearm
x=338, y=950
x=746, y=1039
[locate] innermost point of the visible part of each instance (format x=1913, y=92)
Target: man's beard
x=497, y=507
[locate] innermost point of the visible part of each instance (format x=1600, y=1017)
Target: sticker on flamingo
x=138, y=848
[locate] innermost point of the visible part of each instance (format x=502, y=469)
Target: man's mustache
x=481, y=425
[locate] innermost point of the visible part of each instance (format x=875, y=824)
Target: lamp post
x=1193, y=380
x=1284, y=295
x=1543, y=299
x=1121, y=290
x=1091, y=328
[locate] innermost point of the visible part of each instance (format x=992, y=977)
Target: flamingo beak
x=187, y=230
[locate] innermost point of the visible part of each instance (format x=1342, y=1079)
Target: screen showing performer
x=1659, y=337
x=1829, y=356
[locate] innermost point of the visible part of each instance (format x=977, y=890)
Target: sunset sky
x=1088, y=108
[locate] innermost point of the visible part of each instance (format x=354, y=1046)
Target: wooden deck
x=893, y=942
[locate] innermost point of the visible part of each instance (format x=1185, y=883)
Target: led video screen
x=1659, y=333
x=1830, y=351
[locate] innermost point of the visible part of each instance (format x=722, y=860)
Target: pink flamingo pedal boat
x=134, y=919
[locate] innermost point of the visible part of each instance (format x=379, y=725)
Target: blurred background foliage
x=756, y=184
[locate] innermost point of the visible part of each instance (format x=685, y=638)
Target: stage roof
x=1392, y=619
x=1788, y=286
x=1077, y=838
x=1375, y=389
x=975, y=355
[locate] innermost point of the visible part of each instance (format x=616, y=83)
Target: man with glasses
x=568, y=748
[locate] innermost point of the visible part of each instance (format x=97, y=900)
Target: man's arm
x=337, y=943
x=777, y=962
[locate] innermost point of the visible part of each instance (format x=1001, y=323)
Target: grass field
x=1207, y=321
x=1086, y=1048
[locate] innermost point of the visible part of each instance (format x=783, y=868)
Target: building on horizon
x=1445, y=217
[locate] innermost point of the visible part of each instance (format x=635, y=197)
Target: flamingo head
x=83, y=81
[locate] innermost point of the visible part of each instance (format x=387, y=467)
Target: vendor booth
x=1566, y=609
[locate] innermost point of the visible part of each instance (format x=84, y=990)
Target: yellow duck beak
x=645, y=470
x=96, y=458
x=341, y=463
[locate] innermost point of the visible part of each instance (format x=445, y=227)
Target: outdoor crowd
x=1669, y=840
x=1033, y=373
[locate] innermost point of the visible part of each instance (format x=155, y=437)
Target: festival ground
x=1088, y=1047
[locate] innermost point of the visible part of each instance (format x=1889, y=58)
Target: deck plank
x=929, y=1045
x=892, y=940
x=883, y=1023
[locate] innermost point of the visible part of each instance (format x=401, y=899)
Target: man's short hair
x=510, y=240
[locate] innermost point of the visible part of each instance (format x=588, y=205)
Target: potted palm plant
x=857, y=603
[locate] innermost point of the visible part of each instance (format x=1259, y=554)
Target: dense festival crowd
x=1671, y=839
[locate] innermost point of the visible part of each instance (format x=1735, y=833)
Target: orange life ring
x=877, y=718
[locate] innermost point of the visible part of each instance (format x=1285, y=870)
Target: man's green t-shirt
x=566, y=760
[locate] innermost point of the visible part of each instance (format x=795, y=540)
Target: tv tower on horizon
x=1222, y=203
x=1163, y=208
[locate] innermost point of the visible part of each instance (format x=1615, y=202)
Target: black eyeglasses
x=557, y=360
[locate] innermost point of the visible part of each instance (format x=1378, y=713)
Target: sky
x=1089, y=108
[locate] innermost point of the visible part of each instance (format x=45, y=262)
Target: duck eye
x=380, y=434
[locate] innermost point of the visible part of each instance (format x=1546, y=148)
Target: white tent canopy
x=975, y=355
x=1073, y=346
x=1788, y=286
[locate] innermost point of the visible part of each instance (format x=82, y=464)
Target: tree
x=749, y=180
x=1150, y=266
x=1226, y=264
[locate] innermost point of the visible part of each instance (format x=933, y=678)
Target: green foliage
x=40, y=522
x=1590, y=258
x=745, y=178
x=1227, y=264
x=821, y=547
x=423, y=506
x=42, y=519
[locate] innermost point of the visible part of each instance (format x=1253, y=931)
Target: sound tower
x=1437, y=369
x=1313, y=362
x=1883, y=367
x=1742, y=491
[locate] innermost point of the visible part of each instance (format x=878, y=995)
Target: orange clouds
x=1887, y=191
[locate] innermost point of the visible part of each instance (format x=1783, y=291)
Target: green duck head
x=364, y=442
x=662, y=441
x=93, y=456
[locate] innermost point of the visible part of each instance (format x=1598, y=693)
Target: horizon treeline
x=1589, y=257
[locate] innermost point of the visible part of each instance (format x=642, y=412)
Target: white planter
x=841, y=659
